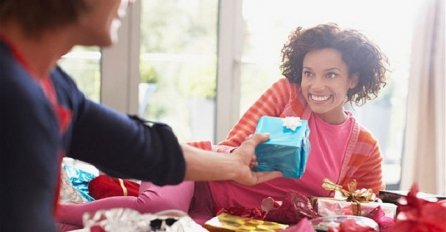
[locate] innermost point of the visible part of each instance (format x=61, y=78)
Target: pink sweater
x=361, y=158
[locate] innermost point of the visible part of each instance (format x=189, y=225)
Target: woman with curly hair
x=324, y=68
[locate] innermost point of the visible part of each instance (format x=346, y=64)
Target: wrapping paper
x=351, y=226
x=228, y=223
x=291, y=210
x=344, y=223
x=353, y=201
x=68, y=194
x=419, y=215
x=287, y=148
x=254, y=213
x=128, y=220
x=79, y=179
x=104, y=186
x=304, y=225
x=333, y=207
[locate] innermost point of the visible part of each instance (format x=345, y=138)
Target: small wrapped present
x=228, y=223
x=333, y=207
x=104, y=186
x=287, y=148
x=359, y=202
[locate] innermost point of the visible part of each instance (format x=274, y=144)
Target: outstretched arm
x=208, y=165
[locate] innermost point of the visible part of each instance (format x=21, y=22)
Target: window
x=83, y=64
x=178, y=65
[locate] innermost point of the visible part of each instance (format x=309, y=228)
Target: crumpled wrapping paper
x=292, y=209
x=68, y=194
x=75, y=178
x=351, y=226
x=419, y=215
x=129, y=220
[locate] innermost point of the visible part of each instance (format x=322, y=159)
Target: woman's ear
x=354, y=79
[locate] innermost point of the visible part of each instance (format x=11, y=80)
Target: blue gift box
x=286, y=150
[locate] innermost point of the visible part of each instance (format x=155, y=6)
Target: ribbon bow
x=352, y=193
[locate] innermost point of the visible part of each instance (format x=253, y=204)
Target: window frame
x=120, y=77
x=120, y=65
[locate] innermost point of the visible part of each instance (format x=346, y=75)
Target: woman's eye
x=308, y=74
x=332, y=75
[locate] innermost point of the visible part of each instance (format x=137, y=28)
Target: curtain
x=424, y=158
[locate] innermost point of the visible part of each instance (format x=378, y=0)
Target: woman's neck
x=334, y=118
x=40, y=53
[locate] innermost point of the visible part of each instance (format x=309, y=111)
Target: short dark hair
x=361, y=56
x=37, y=15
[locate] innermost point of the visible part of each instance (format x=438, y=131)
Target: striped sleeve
x=204, y=145
x=271, y=103
x=366, y=164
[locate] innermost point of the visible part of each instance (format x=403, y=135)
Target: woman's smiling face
x=325, y=83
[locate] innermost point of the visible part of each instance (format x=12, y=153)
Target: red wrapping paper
x=351, y=226
x=294, y=208
x=254, y=213
x=379, y=217
x=419, y=215
x=104, y=186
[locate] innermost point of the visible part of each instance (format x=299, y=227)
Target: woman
x=325, y=68
x=44, y=116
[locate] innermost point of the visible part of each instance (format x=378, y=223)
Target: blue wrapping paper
x=79, y=179
x=286, y=150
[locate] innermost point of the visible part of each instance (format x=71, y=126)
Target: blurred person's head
x=93, y=22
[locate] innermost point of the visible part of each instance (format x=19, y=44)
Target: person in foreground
x=44, y=116
x=324, y=68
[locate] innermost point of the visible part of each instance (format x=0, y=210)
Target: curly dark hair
x=361, y=56
x=38, y=15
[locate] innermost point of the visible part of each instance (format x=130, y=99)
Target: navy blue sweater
x=31, y=145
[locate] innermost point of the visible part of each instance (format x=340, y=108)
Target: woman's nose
x=317, y=84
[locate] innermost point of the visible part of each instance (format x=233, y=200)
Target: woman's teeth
x=319, y=98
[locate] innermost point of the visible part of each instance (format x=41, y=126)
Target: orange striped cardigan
x=362, y=159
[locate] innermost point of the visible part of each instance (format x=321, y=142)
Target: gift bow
x=291, y=123
x=352, y=194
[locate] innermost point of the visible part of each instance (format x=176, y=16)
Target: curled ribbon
x=124, y=189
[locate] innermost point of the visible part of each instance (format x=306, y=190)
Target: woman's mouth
x=319, y=98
